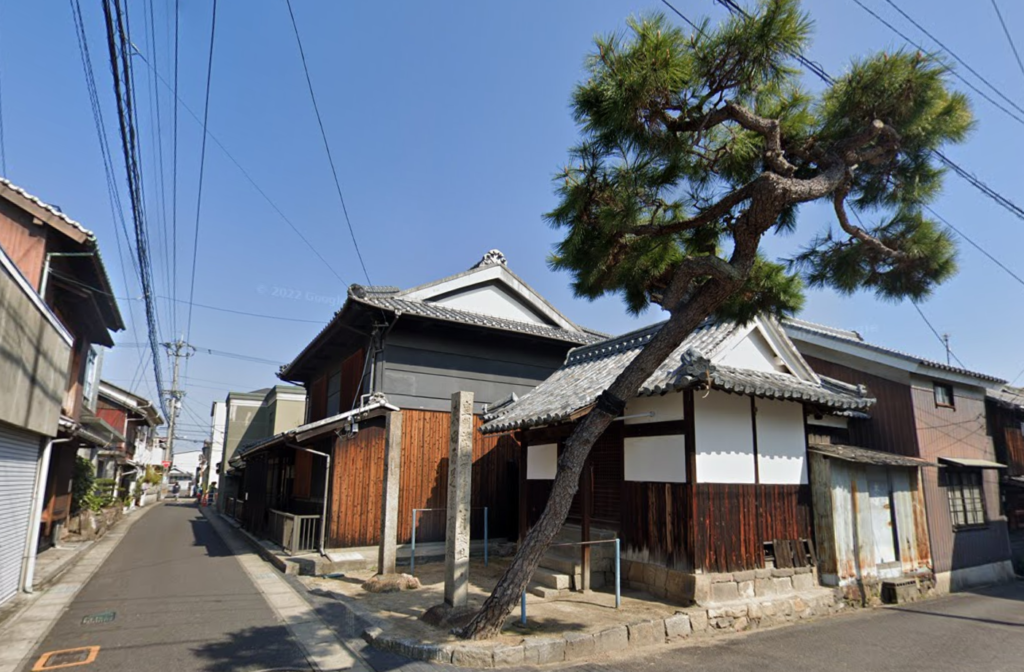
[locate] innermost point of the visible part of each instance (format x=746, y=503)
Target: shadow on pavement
x=205, y=535
x=263, y=648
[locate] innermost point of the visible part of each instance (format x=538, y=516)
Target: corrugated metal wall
x=19, y=456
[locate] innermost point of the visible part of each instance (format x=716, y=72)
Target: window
x=943, y=395
x=966, y=497
x=89, y=384
x=334, y=394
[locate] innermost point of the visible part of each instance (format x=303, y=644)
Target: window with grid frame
x=966, y=498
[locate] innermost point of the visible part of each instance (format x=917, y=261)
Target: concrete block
x=724, y=592
x=698, y=620
x=803, y=582
x=612, y=639
x=803, y=570
x=765, y=573
x=783, y=572
x=741, y=624
x=724, y=577
x=579, y=646
x=508, y=656
x=754, y=611
x=644, y=633
x=768, y=608
x=655, y=576
x=745, y=589
x=633, y=571
x=737, y=611
x=677, y=626
x=701, y=589
x=783, y=585
x=543, y=651
x=743, y=576
x=473, y=656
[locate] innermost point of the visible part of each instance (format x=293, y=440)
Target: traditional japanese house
x=704, y=477
x=935, y=413
x=388, y=350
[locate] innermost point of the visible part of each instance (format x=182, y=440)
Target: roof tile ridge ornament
x=492, y=258
x=694, y=364
x=376, y=398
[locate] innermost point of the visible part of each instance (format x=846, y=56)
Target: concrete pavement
x=173, y=597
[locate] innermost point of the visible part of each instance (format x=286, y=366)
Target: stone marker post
x=388, y=551
x=460, y=478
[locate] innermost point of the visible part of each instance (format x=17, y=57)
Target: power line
x=1009, y=38
x=202, y=166
x=949, y=51
x=244, y=172
x=945, y=343
x=3, y=146
x=327, y=146
x=174, y=168
x=975, y=245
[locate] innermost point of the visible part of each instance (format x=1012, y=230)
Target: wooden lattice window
x=966, y=497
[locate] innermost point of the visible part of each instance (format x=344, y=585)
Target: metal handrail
x=412, y=552
x=618, y=572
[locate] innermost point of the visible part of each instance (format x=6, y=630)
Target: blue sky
x=447, y=121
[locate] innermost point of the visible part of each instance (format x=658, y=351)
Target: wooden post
x=524, y=488
x=690, y=445
x=387, y=554
x=460, y=479
x=587, y=506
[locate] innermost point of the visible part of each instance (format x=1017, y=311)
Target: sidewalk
x=54, y=561
x=32, y=621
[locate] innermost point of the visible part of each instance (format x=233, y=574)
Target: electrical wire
x=202, y=166
x=1009, y=37
x=3, y=145
x=327, y=147
x=174, y=167
x=245, y=173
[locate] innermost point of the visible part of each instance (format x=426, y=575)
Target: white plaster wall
x=655, y=459
x=665, y=407
x=754, y=353
x=490, y=300
x=781, y=443
x=542, y=461
x=724, y=436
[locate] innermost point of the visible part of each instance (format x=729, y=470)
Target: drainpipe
x=327, y=482
x=28, y=563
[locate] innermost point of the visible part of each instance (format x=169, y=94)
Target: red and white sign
x=165, y=464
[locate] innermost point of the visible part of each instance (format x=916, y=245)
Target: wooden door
x=882, y=524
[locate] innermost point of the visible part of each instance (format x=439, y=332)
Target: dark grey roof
x=389, y=302
x=1008, y=397
x=866, y=456
x=589, y=370
x=855, y=338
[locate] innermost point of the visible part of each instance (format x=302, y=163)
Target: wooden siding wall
x=359, y=470
x=655, y=517
x=351, y=368
x=24, y=242
x=891, y=427
x=734, y=520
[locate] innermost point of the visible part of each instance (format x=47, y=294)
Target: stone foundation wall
x=685, y=588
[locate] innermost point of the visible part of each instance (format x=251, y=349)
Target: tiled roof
x=1008, y=397
x=589, y=370
x=867, y=456
x=378, y=298
x=46, y=206
x=845, y=335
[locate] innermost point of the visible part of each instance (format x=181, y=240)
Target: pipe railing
x=412, y=552
x=618, y=571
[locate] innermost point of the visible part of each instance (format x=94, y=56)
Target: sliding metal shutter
x=19, y=454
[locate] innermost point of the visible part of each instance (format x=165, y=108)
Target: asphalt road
x=181, y=603
x=981, y=631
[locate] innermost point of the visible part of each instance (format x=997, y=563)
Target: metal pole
x=522, y=609
x=485, y=536
x=412, y=555
x=618, y=584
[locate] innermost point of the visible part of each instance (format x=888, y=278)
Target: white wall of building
x=655, y=459
x=724, y=435
x=781, y=443
x=665, y=408
x=542, y=461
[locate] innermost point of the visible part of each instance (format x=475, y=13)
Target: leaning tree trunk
x=489, y=620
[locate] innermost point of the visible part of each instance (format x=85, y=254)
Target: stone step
x=552, y=579
x=545, y=592
x=560, y=561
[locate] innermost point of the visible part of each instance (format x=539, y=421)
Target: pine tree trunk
x=491, y=617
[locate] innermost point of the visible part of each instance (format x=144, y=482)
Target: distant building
x=213, y=450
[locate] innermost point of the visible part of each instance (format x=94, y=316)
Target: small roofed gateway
x=704, y=478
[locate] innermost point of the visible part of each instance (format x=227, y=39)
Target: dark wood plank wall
x=891, y=428
x=735, y=519
x=359, y=470
x=655, y=517
x=24, y=242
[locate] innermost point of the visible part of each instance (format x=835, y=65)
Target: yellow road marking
x=42, y=665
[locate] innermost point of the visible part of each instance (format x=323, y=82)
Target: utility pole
x=177, y=350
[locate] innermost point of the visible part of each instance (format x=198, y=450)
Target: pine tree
x=693, y=148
